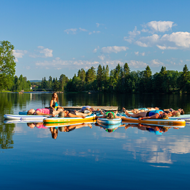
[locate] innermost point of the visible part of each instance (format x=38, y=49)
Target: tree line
x=121, y=80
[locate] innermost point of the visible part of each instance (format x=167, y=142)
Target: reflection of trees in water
x=6, y=104
x=94, y=99
x=129, y=101
x=8, y=101
x=6, y=136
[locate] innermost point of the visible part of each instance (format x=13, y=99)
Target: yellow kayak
x=66, y=124
x=69, y=119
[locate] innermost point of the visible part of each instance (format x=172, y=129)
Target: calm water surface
x=91, y=157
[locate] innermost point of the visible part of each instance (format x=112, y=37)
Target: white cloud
x=57, y=63
x=19, y=54
x=139, y=43
x=181, y=39
x=47, y=52
x=134, y=32
x=94, y=32
x=173, y=41
x=114, y=49
x=41, y=47
x=143, y=54
x=148, y=41
x=112, y=62
x=160, y=26
x=98, y=25
x=83, y=30
x=137, y=64
x=144, y=30
x=96, y=49
x=132, y=35
x=160, y=157
x=102, y=57
x=166, y=47
x=156, y=63
x=80, y=62
x=137, y=53
x=71, y=30
x=114, y=135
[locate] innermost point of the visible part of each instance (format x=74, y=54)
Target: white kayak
x=25, y=117
x=21, y=121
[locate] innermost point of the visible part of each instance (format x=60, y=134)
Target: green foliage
x=56, y=85
x=7, y=65
x=121, y=79
x=63, y=80
x=20, y=83
x=99, y=77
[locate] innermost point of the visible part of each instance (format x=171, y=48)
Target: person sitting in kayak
x=54, y=103
x=157, y=114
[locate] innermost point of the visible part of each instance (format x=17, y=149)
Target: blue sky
x=60, y=37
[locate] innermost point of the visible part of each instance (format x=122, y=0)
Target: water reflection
x=6, y=136
x=110, y=128
x=152, y=144
x=66, y=128
x=38, y=125
x=157, y=130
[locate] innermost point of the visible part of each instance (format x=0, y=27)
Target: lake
x=89, y=156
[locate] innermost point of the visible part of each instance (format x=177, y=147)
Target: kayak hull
x=24, y=117
x=171, y=122
x=66, y=124
x=69, y=119
x=105, y=121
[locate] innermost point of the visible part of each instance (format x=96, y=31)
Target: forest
x=121, y=80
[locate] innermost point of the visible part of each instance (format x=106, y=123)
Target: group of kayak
x=56, y=114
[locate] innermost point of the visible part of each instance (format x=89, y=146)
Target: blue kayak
x=106, y=121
